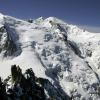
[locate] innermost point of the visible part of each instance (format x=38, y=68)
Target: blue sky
x=85, y=13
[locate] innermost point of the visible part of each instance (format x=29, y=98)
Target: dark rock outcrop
x=27, y=86
x=7, y=45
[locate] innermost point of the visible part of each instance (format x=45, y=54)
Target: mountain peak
x=64, y=54
x=54, y=20
x=1, y=14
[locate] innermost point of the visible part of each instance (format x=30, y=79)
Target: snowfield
x=65, y=54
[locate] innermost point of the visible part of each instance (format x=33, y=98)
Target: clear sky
x=80, y=12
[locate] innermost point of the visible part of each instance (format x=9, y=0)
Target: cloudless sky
x=81, y=12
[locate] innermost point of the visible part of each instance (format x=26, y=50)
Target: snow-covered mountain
x=69, y=57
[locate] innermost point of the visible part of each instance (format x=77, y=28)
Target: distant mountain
x=67, y=56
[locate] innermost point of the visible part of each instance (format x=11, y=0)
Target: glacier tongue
x=66, y=55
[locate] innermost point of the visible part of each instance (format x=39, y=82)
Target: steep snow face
x=64, y=54
x=1, y=19
x=1, y=16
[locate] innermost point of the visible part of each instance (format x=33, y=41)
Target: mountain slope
x=66, y=55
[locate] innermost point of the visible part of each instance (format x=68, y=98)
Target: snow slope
x=65, y=54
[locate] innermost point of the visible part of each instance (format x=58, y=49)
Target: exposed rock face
x=7, y=45
x=3, y=95
x=27, y=86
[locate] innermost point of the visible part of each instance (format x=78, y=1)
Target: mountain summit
x=69, y=57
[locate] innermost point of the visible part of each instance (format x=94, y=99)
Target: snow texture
x=65, y=54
